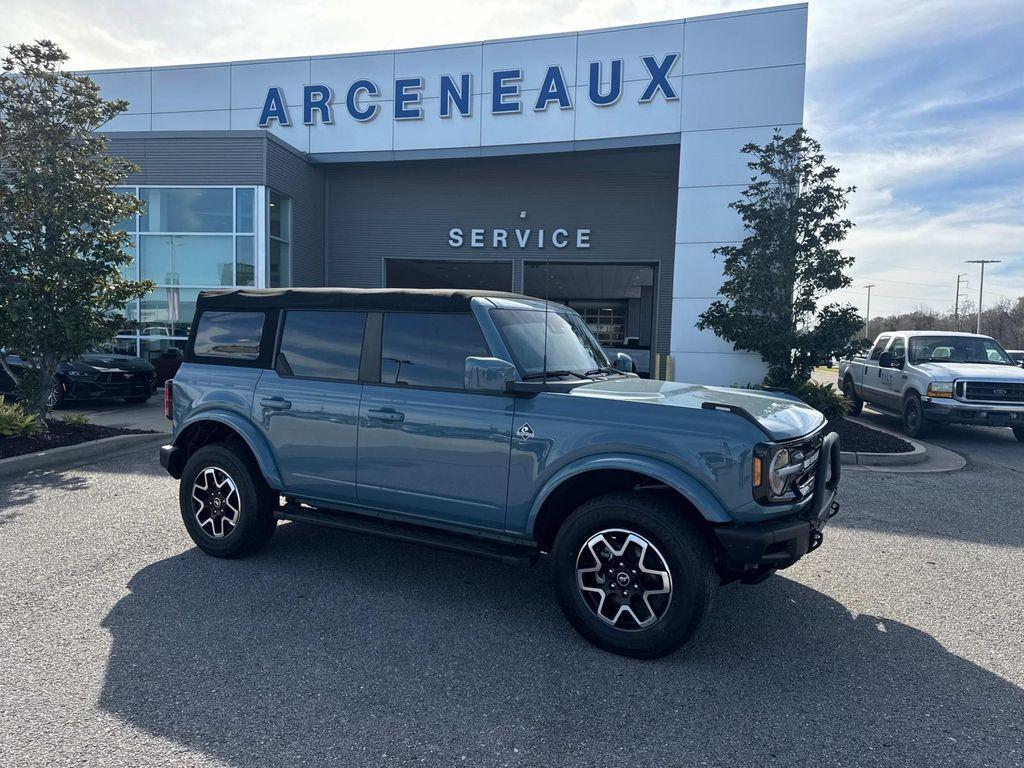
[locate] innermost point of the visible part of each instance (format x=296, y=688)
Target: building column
x=743, y=77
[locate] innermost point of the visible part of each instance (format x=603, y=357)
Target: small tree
x=61, y=289
x=777, y=277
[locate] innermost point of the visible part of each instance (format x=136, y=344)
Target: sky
x=919, y=102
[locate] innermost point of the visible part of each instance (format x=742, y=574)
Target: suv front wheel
x=227, y=507
x=632, y=575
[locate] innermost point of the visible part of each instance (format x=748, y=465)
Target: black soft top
x=381, y=299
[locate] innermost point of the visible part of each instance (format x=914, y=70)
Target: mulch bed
x=60, y=435
x=857, y=437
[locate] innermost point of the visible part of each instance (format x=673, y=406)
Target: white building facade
x=598, y=164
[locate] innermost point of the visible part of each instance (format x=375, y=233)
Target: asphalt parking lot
x=898, y=643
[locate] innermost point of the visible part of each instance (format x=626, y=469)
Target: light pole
x=981, y=284
x=867, y=312
x=956, y=303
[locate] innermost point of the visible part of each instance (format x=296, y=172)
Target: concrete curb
x=865, y=458
x=76, y=455
x=926, y=457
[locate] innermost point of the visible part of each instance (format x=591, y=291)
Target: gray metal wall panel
x=290, y=174
x=195, y=159
x=627, y=198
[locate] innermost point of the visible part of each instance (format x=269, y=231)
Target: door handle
x=386, y=414
x=276, y=403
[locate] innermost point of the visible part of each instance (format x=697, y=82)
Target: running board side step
x=512, y=554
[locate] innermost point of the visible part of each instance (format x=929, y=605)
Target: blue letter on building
x=371, y=89
x=274, y=109
x=450, y=95
x=659, y=77
x=615, y=89
x=553, y=89
x=500, y=89
x=317, y=98
x=407, y=105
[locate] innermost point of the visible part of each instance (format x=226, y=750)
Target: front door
x=428, y=448
x=309, y=405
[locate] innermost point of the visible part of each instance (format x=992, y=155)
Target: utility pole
x=956, y=304
x=867, y=312
x=981, y=285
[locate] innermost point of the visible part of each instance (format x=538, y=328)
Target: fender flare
x=679, y=480
x=244, y=428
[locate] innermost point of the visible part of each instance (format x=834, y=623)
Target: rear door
x=308, y=405
x=874, y=389
x=428, y=448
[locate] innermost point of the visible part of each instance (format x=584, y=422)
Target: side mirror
x=489, y=374
x=885, y=360
x=624, y=363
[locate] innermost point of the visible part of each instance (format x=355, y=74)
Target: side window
x=230, y=335
x=879, y=347
x=898, y=349
x=429, y=350
x=323, y=345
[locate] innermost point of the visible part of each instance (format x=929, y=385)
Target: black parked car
x=95, y=376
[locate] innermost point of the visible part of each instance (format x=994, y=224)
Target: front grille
x=992, y=391
x=122, y=378
x=803, y=484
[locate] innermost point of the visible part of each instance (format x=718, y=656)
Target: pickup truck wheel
x=1018, y=432
x=226, y=506
x=850, y=393
x=632, y=575
x=914, y=422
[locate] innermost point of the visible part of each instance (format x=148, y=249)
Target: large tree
x=788, y=263
x=61, y=288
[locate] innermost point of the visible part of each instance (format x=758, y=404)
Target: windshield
x=571, y=348
x=957, y=349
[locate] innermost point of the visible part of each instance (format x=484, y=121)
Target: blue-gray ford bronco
x=493, y=424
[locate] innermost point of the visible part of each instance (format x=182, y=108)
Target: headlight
x=940, y=389
x=773, y=471
x=777, y=478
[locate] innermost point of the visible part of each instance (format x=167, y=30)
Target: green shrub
x=16, y=421
x=76, y=420
x=824, y=397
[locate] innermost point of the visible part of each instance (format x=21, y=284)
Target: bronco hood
x=782, y=416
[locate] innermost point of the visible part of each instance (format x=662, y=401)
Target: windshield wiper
x=605, y=369
x=553, y=374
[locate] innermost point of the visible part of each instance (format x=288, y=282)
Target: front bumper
x=113, y=387
x=952, y=411
x=752, y=551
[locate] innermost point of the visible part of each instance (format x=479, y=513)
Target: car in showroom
x=98, y=375
x=493, y=424
x=931, y=378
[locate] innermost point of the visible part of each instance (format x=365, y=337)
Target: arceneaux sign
x=455, y=94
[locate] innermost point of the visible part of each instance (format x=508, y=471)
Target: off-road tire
x=914, y=422
x=850, y=393
x=256, y=502
x=677, y=541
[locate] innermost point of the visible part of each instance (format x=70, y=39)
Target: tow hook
x=833, y=510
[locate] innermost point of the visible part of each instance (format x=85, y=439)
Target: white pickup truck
x=937, y=377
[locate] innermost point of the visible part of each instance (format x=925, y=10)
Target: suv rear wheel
x=632, y=575
x=227, y=507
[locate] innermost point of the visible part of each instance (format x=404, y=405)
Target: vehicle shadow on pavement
x=331, y=648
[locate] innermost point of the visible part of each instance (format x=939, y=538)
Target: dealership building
x=594, y=168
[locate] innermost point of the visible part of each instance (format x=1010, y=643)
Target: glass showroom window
x=185, y=240
x=279, y=246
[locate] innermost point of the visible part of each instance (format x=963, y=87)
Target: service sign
x=326, y=103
